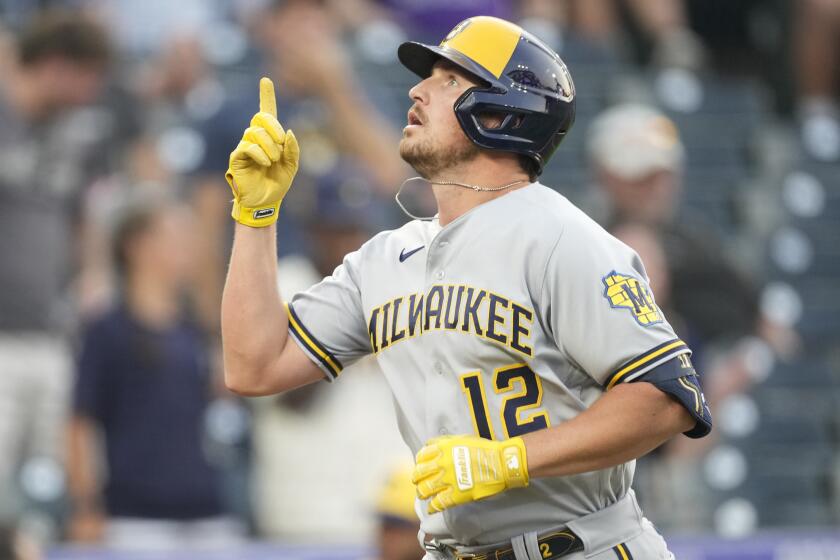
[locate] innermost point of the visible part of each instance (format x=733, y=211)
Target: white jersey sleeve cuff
x=312, y=347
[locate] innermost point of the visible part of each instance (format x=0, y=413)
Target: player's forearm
x=254, y=324
x=626, y=423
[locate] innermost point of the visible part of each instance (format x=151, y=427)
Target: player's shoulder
x=541, y=207
x=578, y=233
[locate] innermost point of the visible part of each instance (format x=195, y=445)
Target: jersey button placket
x=441, y=274
x=439, y=382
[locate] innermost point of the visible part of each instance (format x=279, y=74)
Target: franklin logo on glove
x=461, y=456
x=264, y=213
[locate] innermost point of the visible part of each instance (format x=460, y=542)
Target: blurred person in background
x=398, y=524
x=301, y=44
x=728, y=36
x=669, y=476
x=701, y=43
x=142, y=29
x=180, y=89
x=301, y=40
x=817, y=60
x=312, y=500
x=338, y=209
x=638, y=160
x=329, y=109
x=60, y=62
x=661, y=30
x=141, y=395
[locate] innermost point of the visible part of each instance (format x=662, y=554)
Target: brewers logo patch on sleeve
x=624, y=291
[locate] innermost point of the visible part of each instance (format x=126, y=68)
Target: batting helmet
x=523, y=80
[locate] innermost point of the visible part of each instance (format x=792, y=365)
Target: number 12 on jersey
x=522, y=390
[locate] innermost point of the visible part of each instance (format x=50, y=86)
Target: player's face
x=433, y=141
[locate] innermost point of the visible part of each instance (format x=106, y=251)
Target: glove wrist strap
x=514, y=463
x=263, y=216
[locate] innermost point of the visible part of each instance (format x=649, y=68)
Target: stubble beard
x=430, y=160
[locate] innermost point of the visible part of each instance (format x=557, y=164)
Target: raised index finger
x=268, y=102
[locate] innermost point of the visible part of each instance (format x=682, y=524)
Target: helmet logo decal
x=561, y=83
x=456, y=30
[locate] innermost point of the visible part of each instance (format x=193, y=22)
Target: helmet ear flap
x=523, y=127
x=476, y=103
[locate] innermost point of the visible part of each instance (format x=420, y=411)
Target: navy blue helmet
x=523, y=81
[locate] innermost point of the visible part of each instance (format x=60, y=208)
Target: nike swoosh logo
x=404, y=255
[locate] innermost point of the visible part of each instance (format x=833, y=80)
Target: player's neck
x=454, y=201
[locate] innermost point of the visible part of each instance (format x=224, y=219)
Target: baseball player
x=527, y=357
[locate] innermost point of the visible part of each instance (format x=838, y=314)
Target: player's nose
x=419, y=93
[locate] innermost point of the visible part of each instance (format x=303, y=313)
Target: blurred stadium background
x=117, y=439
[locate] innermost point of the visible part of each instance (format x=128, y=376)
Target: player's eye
x=452, y=82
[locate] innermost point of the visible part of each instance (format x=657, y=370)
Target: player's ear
x=492, y=120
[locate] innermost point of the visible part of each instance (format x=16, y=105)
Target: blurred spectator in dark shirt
x=46, y=161
x=144, y=383
x=638, y=160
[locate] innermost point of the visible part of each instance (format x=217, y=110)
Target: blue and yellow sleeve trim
x=650, y=359
x=622, y=552
x=328, y=362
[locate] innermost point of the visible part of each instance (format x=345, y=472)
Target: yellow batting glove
x=454, y=470
x=263, y=165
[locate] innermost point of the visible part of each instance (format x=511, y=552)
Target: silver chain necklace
x=478, y=188
x=454, y=183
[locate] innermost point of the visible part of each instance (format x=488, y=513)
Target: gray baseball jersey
x=514, y=317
